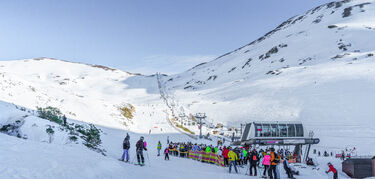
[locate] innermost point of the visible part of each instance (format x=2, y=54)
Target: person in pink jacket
x=266, y=163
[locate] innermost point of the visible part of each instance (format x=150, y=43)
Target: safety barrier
x=173, y=150
x=207, y=157
x=292, y=160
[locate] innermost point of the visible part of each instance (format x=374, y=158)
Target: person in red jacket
x=225, y=155
x=333, y=170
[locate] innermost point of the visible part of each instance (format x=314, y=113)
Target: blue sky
x=167, y=36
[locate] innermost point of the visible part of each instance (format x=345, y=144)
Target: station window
x=258, y=130
x=266, y=130
x=291, y=130
x=283, y=130
x=274, y=130
x=299, y=130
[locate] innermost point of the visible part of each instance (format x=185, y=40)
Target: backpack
x=277, y=159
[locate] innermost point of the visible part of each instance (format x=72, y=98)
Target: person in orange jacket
x=275, y=159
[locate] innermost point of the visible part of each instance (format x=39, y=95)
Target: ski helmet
x=142, y=137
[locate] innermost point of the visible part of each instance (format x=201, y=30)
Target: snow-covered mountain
x=89, y=93
x=317, y=68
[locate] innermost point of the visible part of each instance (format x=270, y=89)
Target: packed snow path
x=166, y=99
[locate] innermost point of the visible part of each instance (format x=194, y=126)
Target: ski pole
x=132, y=162
x=238, y=169
x=148, y=158
x=247, y=169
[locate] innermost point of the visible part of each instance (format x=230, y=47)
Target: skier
x=242, y=156
x=126, y=146
x=253, y=162
x=275, y=159
x=287, y=168
x=232, y=158
x=166, y=153
x=343, y=155
x=140, y=146
x=159, y=148
x=332, y=169
x=245, y=156
x=225, y=155
x=266, y=163
x=237, y=151
x=64, y=120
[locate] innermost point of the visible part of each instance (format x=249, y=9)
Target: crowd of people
x=343, y=155
x=264, y=160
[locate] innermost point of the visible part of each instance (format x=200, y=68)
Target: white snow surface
x=318, y=68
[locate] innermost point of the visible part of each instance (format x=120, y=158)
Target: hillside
x=87, y=93
x=317, y=68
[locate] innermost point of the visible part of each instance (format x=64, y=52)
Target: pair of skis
x=131, y=163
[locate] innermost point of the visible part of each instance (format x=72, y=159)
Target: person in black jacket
x=140, y=146
x=126, y=146
x=254, y=158
x=64, y=120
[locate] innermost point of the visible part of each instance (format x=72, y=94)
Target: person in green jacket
x=208, y=149
x=159, y=148
x=244, y=155
x=215, y=150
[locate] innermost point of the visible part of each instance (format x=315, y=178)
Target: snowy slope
x=32, y=156
x=317, y=68
x=41, y=160
x=83, y=92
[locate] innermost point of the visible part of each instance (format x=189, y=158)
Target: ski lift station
x=277, y=133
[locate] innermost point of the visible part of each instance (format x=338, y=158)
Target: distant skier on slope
x=126, y=146
x=332, y=169
x=166, y=153
x=159, y=148
x=140, y=146
x=64, y=120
